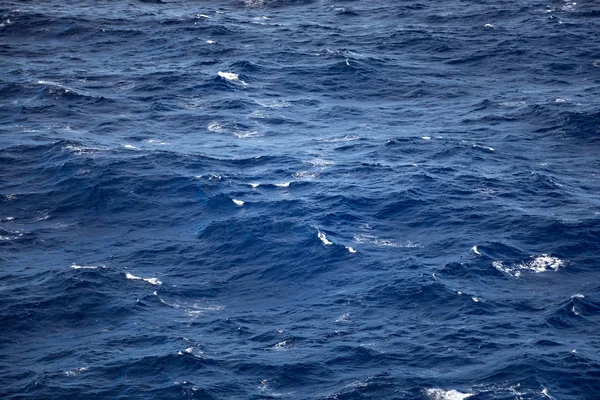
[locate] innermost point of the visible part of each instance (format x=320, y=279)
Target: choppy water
x=300, y=199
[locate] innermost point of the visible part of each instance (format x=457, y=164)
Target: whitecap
x=81, y=150
x=351, y=249
x=153, y=281
x=543, y=263
x=371, y=239
x=560, y=100
x=347, y=138
x=283, y=184
x=344, y=318
x=76, y=371
x=282, y=344
x=203, y=16
x=513, y=103
x=319, y=162
x=476, y=299
x=477, y=146
x=577, y=296
x=305, y=175
x=75, y=266
x=323, y=237
x=238, y=202
x=488, y=26
x=537, y=264
x=474, y=248
x=211, y=42
x=545, y=393
x=157, y=142
x=248, y=134
x=426, y=137
x=230, y=76
x=273, y=103
x=130, y=147
x=214, y=126
x=440, y=394
x=254, y=185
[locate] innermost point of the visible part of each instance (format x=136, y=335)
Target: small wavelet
x=152, y=281
x=440, y=394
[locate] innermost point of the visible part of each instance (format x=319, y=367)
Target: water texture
x=300, y=199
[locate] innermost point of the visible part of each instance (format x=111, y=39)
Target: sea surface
x=296, y=199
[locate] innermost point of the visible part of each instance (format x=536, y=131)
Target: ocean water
x=300, y=199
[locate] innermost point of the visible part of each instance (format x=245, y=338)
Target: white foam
x=75, y=266
x=230, y=76
x=238, y=202
x=440, y=394
x=474, y=248
x=323, y=237
x=283, y=184
x=152, y=281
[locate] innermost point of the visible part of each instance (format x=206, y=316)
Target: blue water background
x=300, y=200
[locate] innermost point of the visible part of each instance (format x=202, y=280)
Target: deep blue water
x=300, y=199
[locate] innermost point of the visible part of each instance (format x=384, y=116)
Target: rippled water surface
x=300, y=199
